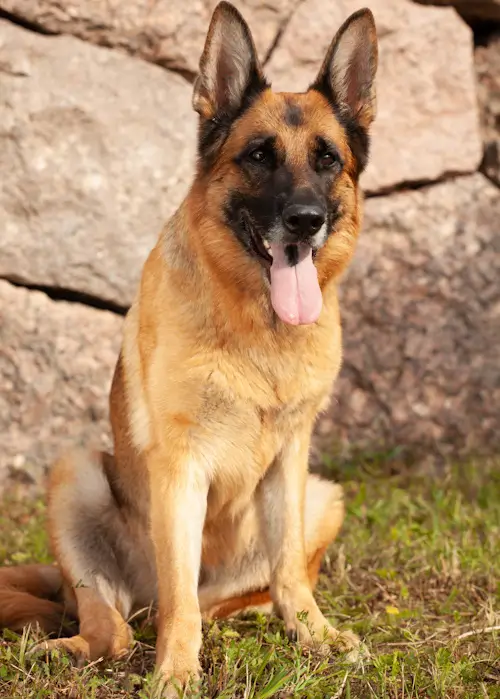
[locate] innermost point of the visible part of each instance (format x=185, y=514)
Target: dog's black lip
x=256, y=242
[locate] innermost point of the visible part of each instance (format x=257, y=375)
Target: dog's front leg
x=178, y=507
x=281, y=501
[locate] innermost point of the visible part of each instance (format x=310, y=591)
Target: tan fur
x=206, y=507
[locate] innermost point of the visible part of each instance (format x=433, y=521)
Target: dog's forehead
x=295, y=119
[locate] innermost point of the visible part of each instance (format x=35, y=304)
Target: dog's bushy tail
x=31, y=594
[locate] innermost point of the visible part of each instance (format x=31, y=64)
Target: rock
x=471, y=10
x=421, y=316
x=96, y=149
x=427, y=121
x=168, y=32
x=56, y=365
x=487, y=59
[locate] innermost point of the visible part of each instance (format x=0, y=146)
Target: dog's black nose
x=303, y=220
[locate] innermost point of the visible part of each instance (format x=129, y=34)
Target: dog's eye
x=258, y=155
x=326, y=161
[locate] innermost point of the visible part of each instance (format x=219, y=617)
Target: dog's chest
x=242, y=447
x=249, y=414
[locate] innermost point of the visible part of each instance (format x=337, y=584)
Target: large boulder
x=56, y=364
x=96, y=151
x=421, y=315
x=487, y=58
x=427, y=122
x=168, y=32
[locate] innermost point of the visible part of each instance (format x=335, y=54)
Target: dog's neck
x=200, y=260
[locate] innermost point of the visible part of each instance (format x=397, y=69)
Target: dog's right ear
x=230, y=73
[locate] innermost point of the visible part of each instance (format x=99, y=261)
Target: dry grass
x=416, y=569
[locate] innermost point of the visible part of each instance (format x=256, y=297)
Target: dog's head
x=280, y=170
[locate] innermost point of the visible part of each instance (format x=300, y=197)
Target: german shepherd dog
x=229, y=352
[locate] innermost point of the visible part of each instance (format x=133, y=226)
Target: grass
x=416, y=568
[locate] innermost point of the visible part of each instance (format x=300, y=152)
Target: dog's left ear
x=230, y=72
x=347, y=76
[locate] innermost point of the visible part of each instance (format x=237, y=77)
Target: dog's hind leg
x=92, y=544
x=243, y=583
x=31, y=594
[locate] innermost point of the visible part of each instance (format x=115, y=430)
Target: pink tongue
x=295, y=292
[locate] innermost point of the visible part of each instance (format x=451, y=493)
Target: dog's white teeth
x=268, y=247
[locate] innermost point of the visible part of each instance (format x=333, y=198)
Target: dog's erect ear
x=230, y=73
x=347, y=76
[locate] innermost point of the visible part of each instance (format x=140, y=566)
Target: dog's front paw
x=321, y=635
x=174, y=680
x=345, y=641
x=177, y=655
x=178, y=671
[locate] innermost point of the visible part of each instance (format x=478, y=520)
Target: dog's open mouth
x=259, y=247
x=295, y=292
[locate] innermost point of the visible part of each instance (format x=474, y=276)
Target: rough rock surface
x=487, y=59
x=56, y=365
x=427, y=122
x=421, y=316
x=168, y=32
x=471, y=10
x=96, y=149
